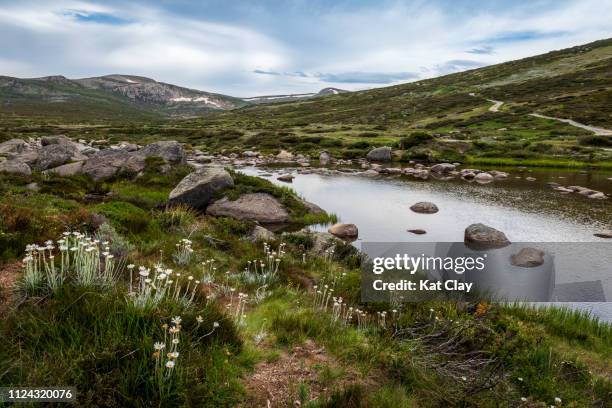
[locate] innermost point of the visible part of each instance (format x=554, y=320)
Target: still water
x=526, y=211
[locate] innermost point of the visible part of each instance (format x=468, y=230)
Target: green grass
x=553, y=163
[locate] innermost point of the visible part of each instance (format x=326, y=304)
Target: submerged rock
x=198, y=188
x=381, y=154
x=480, y=236
x=483, y=178
x=424, y=207
x=418, y=231
x=260, y=207
x=527, y=258
x=344, y=230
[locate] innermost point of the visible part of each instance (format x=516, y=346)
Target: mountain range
x=128, y=93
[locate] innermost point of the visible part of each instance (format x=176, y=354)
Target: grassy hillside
x=453, y=117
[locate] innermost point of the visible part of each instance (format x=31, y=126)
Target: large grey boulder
x=262, y=234
x=170, y=150
x=109, y=162
x=15, y=167
x=344, y=230
x=381, y=154
x=65, y=170
x=13, y=146
x=424, y=207
x=53, y=155
x=260, y=207
x=442, y=168
x=198, y=188
x=480, y=236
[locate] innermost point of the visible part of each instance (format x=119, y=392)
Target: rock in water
x=605, y=234
x=527, y=258
x=260, y=207
x=344, y=230
x=15, y=167
x=381, y=154
x=284, y=156
x=480, y=236
x=483, y=178
x=324, y=158
x=418, y=231
x=442, y=168
x=424, y=207
x=287, y=178
x=198, y=188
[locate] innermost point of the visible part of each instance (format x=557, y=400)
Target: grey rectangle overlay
x=526, y=271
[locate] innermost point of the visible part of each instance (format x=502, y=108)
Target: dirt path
x=496, y=105
x=597, y=130
x=276, y=383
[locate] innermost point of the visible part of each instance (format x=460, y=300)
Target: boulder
x=56, y=154
x=198, y=188
x=324, y=158
x=442, y=168
x=605, y=234
x=480, y=236
x=15, y=167
x=56, y=139
x=260, y=207
x=262, y=234
x=499, y=174
x=287, y=178
x=344, y=230
x=170, y=150
x=65, y=170
x=313, y=208
x=418, y=231
x=13, y=146
x=598, y=196
x=483, y=178
x=381, y=154
x=424, y=207
x=127, y=146
x=284, y=155
x=527, y=258
x=530, y=178
x=250, y=153
x=109, y=162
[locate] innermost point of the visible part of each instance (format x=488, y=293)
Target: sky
x=250, y=48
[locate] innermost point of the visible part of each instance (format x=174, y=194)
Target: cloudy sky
x=247, y=48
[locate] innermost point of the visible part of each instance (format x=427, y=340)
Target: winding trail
x=597, y=130
x=496, y=105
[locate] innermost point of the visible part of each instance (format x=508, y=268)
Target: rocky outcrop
x=480, y=236
x=13, y=146
x=56, y=154
x=380, y=154
x=170, y=150
x=424, y=207
x=344, y=230
x=260, y=207
x=15, y=167
x=527, y=258
x=107, y=163
x=197, y=189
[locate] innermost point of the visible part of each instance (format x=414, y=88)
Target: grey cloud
x=486, y=49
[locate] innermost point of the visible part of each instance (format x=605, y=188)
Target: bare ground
x=276, y=383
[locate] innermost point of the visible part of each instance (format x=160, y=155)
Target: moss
x=125, y=217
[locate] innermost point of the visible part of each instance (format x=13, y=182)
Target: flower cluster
x=80, y=259
x=262, y=272
x=165, y=364
x=182, y=256
x=151, y=286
